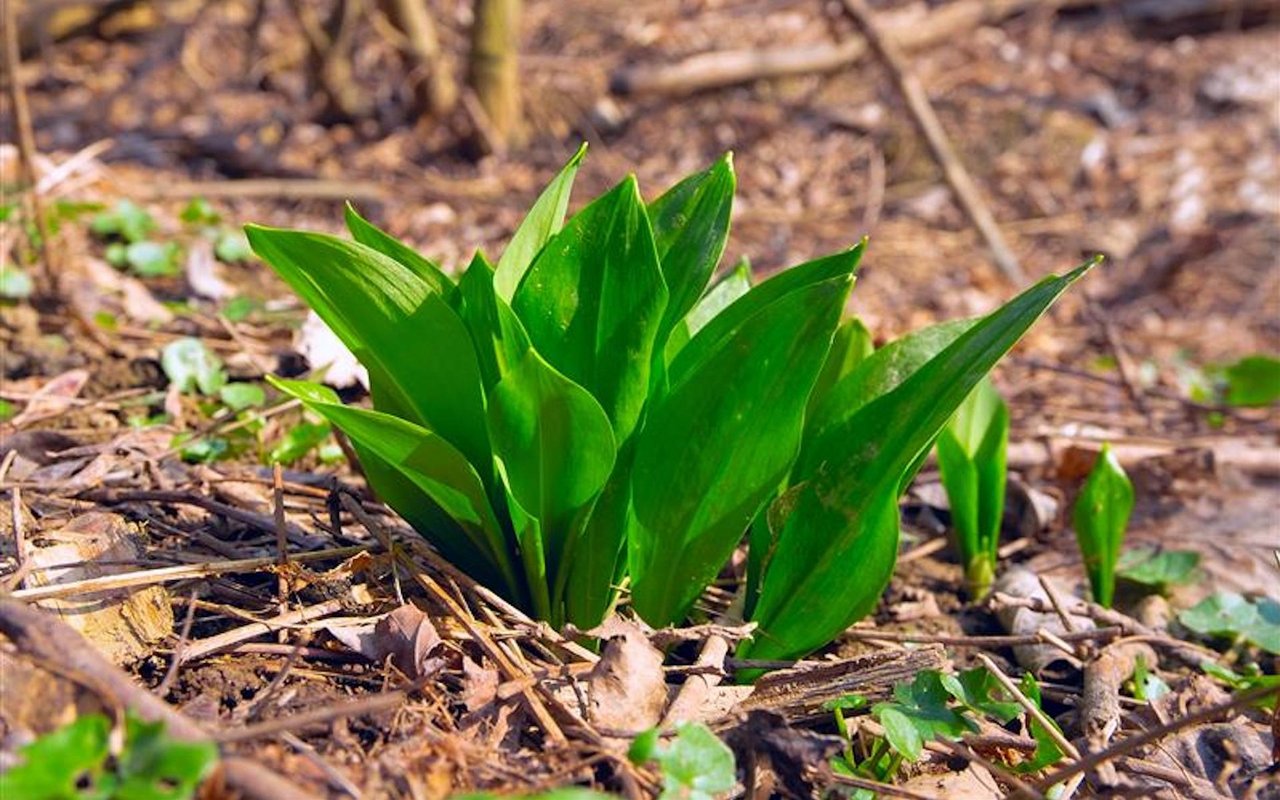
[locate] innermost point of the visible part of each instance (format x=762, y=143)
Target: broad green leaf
x=1158, y=568
x=977, y=690
x=299, y=440
x=920, y=712
x=696, y=765
x=239, y=396
x=720, y=441
x=711, y=337
x=690, y=226
x=539, y=225
x=592, y=301
x=972, y=453
x=828, y=426
x=395, y=323
x=1230, y=615
x=845, y=517
x=1101, y=516
x=1253, y=381
x=51, y=766
x=370, y=235
x=901, y=733
x=435, y=467
x=721, y=296
x=499, y=338
x=556, y=449
x=600, y=557
x=154, y=766
x=851, y=345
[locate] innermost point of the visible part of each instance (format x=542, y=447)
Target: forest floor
x=255, y=603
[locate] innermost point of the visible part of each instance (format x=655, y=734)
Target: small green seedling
x=695, y=764
x=1101, y=516
x=585, y=415
x=972, y=454
x=1250, y=679
x=75, y=763
x=1047, y=752
x=1232, y=616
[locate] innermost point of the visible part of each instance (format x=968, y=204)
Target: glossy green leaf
x=1100, y=517
x=592, y=301
x=370, y=235
x=851, y=345
x=395, y=323
x=1158, y=568
x=599, y=560
x=845, y=515
x=972, y=453
x=721, y=296
x=1253, y=381
x=500, y=340
x=539, y=225
x=719, y=443
x=435, y=467
x=830, y=425
x=690, y=227
x=696, y=765
x=556, y=448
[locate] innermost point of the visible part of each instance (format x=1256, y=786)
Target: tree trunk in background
x=493, y=73
x=434, y=84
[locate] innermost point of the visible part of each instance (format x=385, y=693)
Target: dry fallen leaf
x=626, y=689
x=53, y=398
x=406, y=635
x=479, y=685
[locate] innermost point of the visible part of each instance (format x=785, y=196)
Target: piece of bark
x=798, y=693
x=1099, y=712
x=123, y=624
x=1017, y=621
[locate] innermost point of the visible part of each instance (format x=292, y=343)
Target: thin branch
x=962, y=184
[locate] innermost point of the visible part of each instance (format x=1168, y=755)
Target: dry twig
x=962, y=184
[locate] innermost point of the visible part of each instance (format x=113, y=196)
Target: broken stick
x=957, y=177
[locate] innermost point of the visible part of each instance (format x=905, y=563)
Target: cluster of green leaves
x=1231, y=616
x=972, y=454
x=194, y=369
x=75, y=763
x=15, y=283
x=1100, y=517
x=586, y=413
x=130, y=231
x=935, y=706
x=695, y=764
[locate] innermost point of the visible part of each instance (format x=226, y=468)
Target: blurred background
x=1145, y=130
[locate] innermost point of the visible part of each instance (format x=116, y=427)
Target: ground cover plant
x=972, y=453
x=575, y=417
